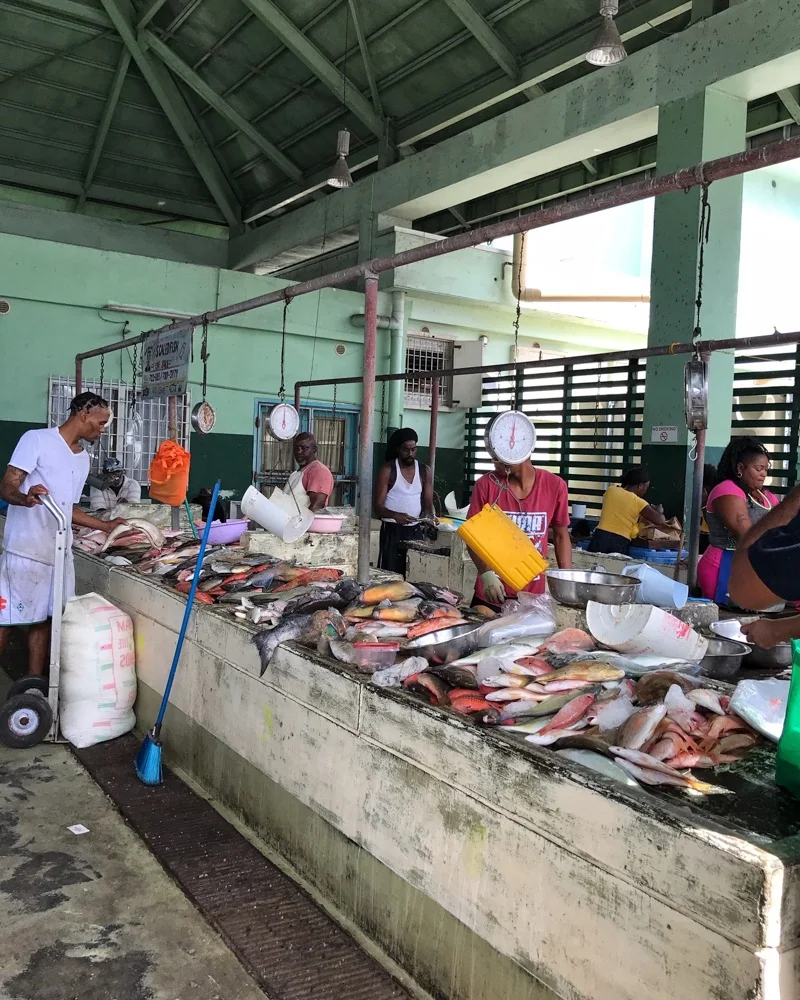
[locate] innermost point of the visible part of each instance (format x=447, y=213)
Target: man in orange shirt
x=313, y=480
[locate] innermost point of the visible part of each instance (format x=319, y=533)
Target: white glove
x=493, y=589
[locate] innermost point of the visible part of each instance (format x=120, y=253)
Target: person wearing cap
x=403, y=495
x=117, y=488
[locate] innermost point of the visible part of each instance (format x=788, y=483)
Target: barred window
x=136, y=429
x=427, y=354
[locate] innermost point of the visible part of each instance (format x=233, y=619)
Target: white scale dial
x=283, y=421
x=510, y=437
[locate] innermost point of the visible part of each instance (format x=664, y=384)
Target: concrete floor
x=93, y=917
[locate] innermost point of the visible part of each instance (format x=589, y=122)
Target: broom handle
x=187, y=613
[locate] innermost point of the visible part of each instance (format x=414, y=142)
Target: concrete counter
x=486, y=867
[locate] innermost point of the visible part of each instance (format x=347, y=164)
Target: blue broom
x=148, y=759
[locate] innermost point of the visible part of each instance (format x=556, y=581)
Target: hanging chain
x=282, y=390
x=102, y=372
x=383, y=411
x=135, y=366
x=335, y=387
x=518, y=376
x=204, y=356
x=702, y=239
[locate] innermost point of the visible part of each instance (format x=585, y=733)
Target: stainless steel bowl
x=723, y=659
x=575, y=587
x=447, y=644
x=778, y=658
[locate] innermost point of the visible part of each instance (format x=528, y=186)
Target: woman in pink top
x=737, y=503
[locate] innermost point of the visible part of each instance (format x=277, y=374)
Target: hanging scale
x=283, y=420
x=203, y=415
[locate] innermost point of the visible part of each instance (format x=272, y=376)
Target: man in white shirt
x=45, y=461
x=117, y=488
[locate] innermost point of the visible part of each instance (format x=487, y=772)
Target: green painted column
x=709, y=125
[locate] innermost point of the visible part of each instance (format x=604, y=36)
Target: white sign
x=664, y=434
x=166, y=363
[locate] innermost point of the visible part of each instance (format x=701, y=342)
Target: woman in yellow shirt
x=622, y=507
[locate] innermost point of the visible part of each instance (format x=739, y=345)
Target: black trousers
x=608, y=541
x=392, y=550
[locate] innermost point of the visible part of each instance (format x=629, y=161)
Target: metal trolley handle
x=59, y=564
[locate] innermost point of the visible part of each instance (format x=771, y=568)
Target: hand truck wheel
x=25, y=720
x=32, y=684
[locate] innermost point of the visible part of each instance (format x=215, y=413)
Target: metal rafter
x=362, y=45
x=150, y=13
x=789, y=100
x=149, y=201
x=178, y=112
x=73, y=10
x=486, y=36
x=105, y=124
x=211, y=97
x=305, y=50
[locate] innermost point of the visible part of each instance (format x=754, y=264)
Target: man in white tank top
x=403, y=494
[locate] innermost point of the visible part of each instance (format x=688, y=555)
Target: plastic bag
x=536, y=617
x=762, y=704
x=169, y=474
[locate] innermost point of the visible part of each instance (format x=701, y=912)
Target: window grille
x=427, y=354
x=134, y=432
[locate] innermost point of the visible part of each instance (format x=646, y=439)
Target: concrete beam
x=595, y=114
x=486, y=36
x=305, y=50
x=221, y=106
x=150, y=13
x=789, y=100
x=178, y=112
x=365, y=57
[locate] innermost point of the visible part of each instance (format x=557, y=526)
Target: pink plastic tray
x=224, y=534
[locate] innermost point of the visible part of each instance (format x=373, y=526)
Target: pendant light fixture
x=339, y=175
x=608, y=48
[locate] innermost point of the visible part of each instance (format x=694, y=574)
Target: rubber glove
x=493, y=589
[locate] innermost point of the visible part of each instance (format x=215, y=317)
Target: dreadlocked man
x=45, y=461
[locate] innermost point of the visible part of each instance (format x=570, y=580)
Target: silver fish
x=597, y=762
x=302, y=628
x=508, y=650
x=638, y=729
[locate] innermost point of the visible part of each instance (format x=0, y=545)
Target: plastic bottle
x=787, y=769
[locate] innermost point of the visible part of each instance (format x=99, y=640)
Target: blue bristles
x=148, y=762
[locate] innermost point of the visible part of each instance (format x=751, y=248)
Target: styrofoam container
x=641, y=628
x=256, y=507
x=326, y=524
x=224, y=534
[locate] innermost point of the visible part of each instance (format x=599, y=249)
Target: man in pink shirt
x=316, y=478
x=537, y=501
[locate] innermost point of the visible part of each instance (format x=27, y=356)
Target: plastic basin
x=224, y=534
x=327, y=524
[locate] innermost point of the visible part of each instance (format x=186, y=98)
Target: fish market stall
x=487, y=859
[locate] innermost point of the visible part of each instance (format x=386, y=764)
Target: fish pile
x=563, y=693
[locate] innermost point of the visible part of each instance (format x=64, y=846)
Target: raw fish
x=545, y=739
x=597, y=762
x=595, y=673
x=570, y=713
x=569, y=640
x=514, y=694
x=640, y=727
x=653, y=687
x=650, y=777
x=469, y=704
x=507, y=650
x=433, y=625
x=505, y=681
x=429, y=685
x=396, y=591
x=706, y=699
x=432, y=592
x=533, y=665
x=302, y=628
x=406, y=611
x=456, y=675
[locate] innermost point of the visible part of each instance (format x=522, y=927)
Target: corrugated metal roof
x=59, y=60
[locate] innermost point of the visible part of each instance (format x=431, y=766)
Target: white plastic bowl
x=326, y=524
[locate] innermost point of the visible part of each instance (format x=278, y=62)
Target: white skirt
x=26, y=589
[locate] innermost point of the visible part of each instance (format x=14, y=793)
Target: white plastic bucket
x=264, y=512
x=579, y=511
x=657, y=588
x=641, y=628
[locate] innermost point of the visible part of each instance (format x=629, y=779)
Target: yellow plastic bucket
x=504, y=547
